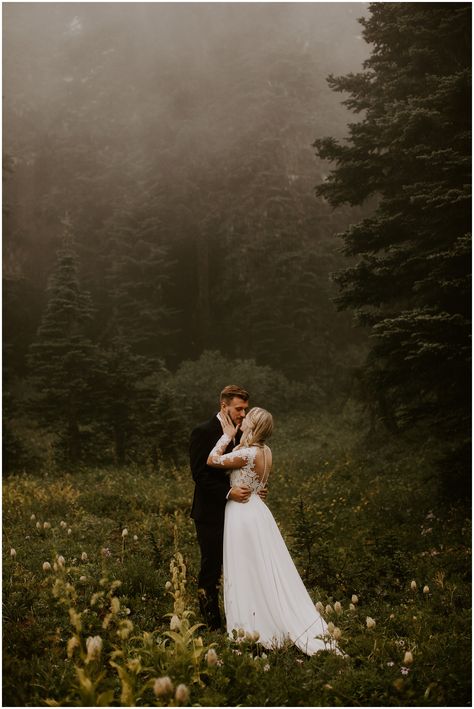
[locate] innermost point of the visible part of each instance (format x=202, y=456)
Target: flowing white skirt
x=262, y=588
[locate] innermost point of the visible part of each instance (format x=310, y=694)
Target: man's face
x=237, y=409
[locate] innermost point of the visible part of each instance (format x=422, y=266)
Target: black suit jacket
x=212, y=484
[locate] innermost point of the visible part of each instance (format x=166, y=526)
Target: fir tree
x=411, y=152
x=62, y=360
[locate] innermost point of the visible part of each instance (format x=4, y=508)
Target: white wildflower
x=69, y=531
x=175, y=623
x=426, y=589
x=266, y=667
x=47, y=525
x=162, y=686
x=83, y=579
x=354, y=599
x=328, y=609
x=33, y=517
x=84, y=556
x=370, y=622
x=61, y=560
x=338, y=607
x=337, y=633
x=63, y=524
x=413, y=586
x=12, y=553
x=182, y=694
x=211, y=657
x=94, y=648
x=408, y=659
x=319, y=607
x=168, y=585
x=352, y=607
x=38, y=525
x=135, y=538
x=331, y=627
x=124, y=532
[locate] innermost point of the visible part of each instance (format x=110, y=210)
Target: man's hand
x=239, y=494
x=263, y=493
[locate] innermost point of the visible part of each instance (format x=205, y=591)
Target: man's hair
x=228, y=393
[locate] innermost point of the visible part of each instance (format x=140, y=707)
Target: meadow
x=100, y=567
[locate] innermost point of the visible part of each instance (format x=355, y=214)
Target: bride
x=262, y=589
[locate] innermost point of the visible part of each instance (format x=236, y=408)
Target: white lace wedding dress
x=262, y=588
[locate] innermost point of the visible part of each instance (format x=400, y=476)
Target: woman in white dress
x=262, y=588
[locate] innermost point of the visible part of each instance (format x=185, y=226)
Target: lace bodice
x=245, y=473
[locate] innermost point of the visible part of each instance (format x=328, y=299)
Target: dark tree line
x=410, y=284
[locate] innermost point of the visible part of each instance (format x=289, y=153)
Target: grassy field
x=100, y=567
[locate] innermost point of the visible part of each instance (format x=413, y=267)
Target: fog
x=183, y=129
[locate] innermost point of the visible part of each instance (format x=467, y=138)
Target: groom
x=210, y=496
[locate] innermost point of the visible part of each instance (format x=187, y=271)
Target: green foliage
x=371, y=515
x=62, y=357
x=411, y=151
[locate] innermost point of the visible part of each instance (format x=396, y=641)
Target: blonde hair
x=261, y=427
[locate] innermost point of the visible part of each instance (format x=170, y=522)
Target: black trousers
x=211, y=540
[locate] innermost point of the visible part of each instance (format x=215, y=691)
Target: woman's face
x=246, y=424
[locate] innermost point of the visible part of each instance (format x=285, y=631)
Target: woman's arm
x=233, y=460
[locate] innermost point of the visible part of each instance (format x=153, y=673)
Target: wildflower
x=370, y=622
x=266, y=667
x=47, y=525
x=72, y=643
x=33, y=517
x=38, y=525
x=94, y=647
x=426, y=589
x=198, y=642
x=390, y=664
x=255, y=636
x=12, y=553
x=328, y=609
x=46, y=566
x=413, y=586
x=63, y=524
x=106, y=552
x=162, y=686
x=354, y=599
x=408, y=659
x=167, y=585
x=124, y=532
x=327, y=686
x=338, y=607
x=126, y=627
x=84, y=556
x=211, y=657
x=352, y=607
x=83, y=579
x=264, y=655
x=61, y=560
x=135, y=538
x=175, y=623
x=392, y=616
x=331, y=627
x=319, y=607
x=241, y=633
x=337, y=634
x=182, y=694
x=69, y=531
x=115, y=605
x=404, y=670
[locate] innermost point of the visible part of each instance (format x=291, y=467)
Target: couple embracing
x=263, y=591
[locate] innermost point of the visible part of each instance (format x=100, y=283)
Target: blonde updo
x=259, y=427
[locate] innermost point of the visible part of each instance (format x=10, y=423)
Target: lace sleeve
x=235, y=459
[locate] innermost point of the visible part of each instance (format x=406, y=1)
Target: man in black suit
x=210, y=496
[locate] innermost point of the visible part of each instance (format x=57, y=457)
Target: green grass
x=360, y=517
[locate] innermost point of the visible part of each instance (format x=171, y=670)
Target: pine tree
x=62, y=360
x=411, y=152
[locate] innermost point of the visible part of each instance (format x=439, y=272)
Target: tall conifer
x=62, y=359
x=411, y=151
